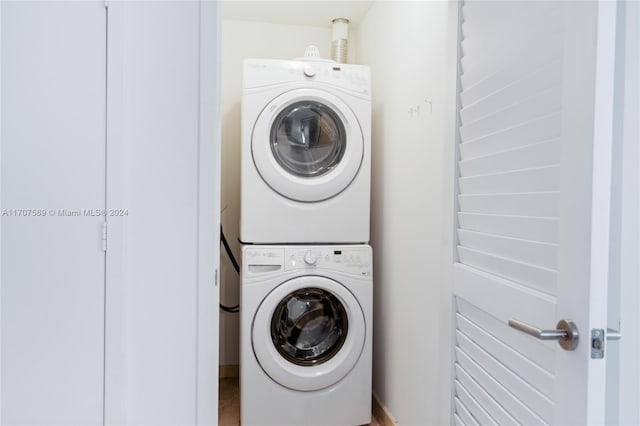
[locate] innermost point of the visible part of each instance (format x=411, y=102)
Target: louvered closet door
x=535, y=100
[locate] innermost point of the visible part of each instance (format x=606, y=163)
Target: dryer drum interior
x=308, y=138
x=309, y=326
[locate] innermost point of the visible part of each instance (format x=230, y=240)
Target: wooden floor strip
x=226, y=371
x=382, y=416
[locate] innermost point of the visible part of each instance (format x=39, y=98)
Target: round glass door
x=309, y=326
x=308, y=333
x=308, y=139
x=307, y=145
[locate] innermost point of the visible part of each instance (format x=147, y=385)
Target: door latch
x=598, y=338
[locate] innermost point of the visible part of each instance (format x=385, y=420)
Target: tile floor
x=229, y=403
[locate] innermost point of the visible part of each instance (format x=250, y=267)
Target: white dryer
x=306, y=152
x=305, y=335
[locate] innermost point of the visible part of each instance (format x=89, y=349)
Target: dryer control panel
x=267, y=72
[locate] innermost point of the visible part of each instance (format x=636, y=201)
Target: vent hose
x=340, y=40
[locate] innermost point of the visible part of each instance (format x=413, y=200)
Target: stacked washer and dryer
x=306, y=280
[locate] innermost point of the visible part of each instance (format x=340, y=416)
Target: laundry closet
x=481, y=192
x=407, y=170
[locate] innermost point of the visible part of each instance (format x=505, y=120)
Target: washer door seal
x=307, y=145
x=324, y=355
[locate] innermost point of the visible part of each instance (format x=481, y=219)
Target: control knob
x=309, y=72
x=310, y=258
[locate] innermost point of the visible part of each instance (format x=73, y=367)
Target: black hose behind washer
x=229, y=309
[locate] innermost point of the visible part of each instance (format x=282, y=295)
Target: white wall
x=404, y=43
x=247, y=39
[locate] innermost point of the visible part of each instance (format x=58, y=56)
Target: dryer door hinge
x=104, y=236
x=216, y=279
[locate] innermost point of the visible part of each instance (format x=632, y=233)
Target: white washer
x=305, y=335
x=306, y=152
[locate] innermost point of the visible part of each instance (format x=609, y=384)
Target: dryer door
x=307, y=145
x=308, y=333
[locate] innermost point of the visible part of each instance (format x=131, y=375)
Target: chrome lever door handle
x=566, y=333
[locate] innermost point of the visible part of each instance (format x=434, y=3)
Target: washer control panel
x=348, y=259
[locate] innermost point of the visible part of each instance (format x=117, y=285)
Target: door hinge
x=104, y=236
x=216, y=279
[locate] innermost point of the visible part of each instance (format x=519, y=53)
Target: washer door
x=307, y=145
x=308, y=333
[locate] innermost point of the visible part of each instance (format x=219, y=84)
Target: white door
x=52, y=186
x=163, y=141
x=535, y=129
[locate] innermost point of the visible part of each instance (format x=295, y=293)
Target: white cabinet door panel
x=52, y=158
x=163, y=167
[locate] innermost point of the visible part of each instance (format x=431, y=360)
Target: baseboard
x=381, y=413
x=226, y=371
